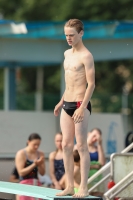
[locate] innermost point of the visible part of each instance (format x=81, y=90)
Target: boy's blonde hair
x=75, y=23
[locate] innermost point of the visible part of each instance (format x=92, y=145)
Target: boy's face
x=72, y=36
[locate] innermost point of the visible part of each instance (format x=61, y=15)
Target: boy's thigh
x=81, y=129
x=67, y=126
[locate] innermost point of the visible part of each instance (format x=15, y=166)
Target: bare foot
x=81, y=193
x=67, y=191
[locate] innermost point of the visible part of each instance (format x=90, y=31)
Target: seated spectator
x=97, y=157
x=56, y=163
x=29, y=161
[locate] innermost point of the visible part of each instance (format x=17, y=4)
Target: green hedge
x=108, y=103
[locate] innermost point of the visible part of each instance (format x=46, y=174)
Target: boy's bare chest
x=72, y=63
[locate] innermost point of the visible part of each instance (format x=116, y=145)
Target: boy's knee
x=82, y=147
x=67, y=147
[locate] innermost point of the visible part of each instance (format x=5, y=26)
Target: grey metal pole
x=10, y=88
x=39, y=89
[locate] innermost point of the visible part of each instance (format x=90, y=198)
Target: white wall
x=16, y=126
x=112, y=129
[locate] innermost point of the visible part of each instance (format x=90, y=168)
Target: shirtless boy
x=80, y=84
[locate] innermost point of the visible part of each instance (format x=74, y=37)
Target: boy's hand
x=57, y=109
x=78, y=115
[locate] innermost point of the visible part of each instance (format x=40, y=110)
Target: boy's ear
x=81, y=33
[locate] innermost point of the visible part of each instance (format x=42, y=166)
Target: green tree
x=62, y=10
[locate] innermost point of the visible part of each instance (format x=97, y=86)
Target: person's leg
x=67, y=128
x=62, y=182
x=81, y=138
x=17, y=197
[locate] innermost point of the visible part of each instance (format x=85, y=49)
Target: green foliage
x=112, y=78
x=51, y=79
x=34, y=10
x=1, y=80
x=28, y=80
x=107, y=79
x=26, y=101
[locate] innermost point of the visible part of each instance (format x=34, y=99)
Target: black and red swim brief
x=70, y=107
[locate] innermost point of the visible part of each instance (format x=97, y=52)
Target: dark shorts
x=70, y=107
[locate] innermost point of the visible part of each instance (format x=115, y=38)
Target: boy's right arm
x=58, y=106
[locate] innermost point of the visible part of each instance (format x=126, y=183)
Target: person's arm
x=76, y=174
x=76, y=185
x=52, y=170
x=101, y=157
x=62, y=181
x=88, y=63
x=90, y=77
x=60, y=104
x=41, y=163
x=13, y=179
x=20, y=164
x=96, y=166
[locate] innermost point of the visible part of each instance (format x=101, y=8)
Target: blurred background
x=105, y=21
x=32, y=43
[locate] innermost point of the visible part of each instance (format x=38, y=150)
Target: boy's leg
x=67, y=127
x=81, y=130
